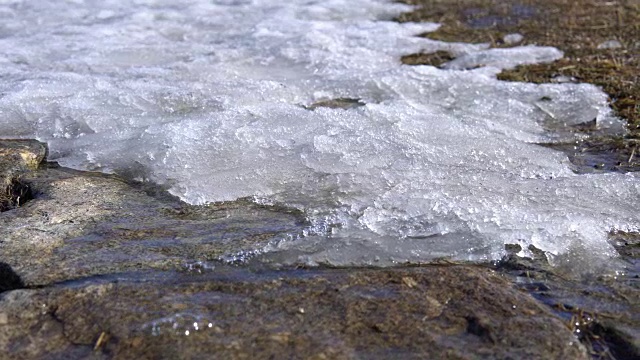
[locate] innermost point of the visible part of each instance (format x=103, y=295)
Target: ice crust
x=505, y=58
x=208, y=97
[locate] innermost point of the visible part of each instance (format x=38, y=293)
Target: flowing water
x=215, y=100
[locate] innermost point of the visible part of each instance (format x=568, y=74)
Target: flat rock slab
x=82, y=224
x=451, y=312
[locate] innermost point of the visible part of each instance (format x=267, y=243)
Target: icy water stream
x=213, y=99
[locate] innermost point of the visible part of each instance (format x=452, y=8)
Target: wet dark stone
x=339, y=103
x=443, y=312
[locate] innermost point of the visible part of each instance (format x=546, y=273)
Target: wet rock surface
x=458, y=312
x=82, y=224
x=601, y=308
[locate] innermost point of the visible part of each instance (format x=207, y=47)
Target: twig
x=104, y=337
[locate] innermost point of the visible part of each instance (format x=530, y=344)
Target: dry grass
x=576, y=27
x=15, y=193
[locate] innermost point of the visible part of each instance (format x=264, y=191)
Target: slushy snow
x=208, y=98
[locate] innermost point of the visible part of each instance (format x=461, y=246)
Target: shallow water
x=213, y=99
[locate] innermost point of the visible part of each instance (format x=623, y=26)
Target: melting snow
x=208, y=97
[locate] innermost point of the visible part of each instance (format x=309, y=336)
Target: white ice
x=207, y=97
